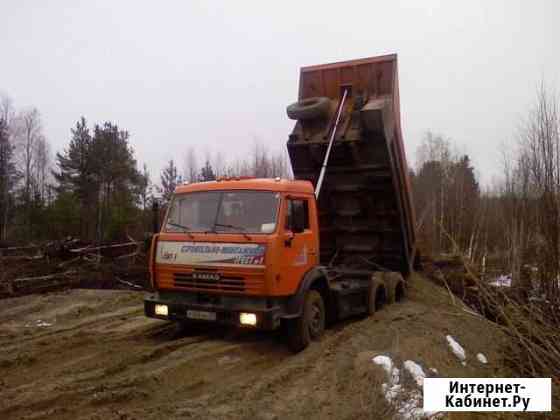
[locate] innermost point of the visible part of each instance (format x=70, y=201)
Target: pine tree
x=100, y=172
x=116, y=174
x=145, y=187
x=169, y=181
x=75, y=164
x=207, y=173
x=76, y=178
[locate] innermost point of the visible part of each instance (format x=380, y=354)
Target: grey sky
x=217, y=75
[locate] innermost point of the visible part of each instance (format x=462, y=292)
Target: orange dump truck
x=335, y=242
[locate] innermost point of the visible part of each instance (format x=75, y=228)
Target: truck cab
x=234, y=251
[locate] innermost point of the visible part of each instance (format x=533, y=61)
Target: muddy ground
x=91, y=354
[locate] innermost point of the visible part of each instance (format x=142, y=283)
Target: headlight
x=161, y=310
x=248, y=319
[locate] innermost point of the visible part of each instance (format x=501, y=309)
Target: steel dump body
x=366, y=216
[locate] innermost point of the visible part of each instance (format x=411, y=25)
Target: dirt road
x=91, y=354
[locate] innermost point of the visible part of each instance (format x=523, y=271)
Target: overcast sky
x=217, y=75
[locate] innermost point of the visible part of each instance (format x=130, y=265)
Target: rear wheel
x=310, y=325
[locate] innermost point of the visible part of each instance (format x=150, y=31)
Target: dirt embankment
x=91, y=354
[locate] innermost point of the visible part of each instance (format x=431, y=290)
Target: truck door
x=300, y=253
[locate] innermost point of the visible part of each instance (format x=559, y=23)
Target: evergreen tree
x=145, y=187
x=100, y=172
x=76, y=175
x=75, y=164
x=169, y=181
x=116, y=174
x=207, y=173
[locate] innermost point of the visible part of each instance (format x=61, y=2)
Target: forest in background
x=96, y=190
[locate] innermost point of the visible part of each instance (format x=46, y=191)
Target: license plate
x=206, y=316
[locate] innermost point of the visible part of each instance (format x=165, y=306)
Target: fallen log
x=40, y=283
x=89, y=249
x=48, y=277
x=19, y=248
x=129, y=284
x=20, y=258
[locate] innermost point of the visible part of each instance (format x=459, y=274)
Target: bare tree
x=8, y=177
x=28, y=134
x=6, y=109
x=191, y=169
x=530, y=196
x=540, y=160
x=219, y=164
x=42, y=169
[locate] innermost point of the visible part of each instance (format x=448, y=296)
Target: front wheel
x=310, y=325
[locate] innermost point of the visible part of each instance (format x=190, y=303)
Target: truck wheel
x=309, y=108
x=395, y=286
x=310, y=325
x=376, y=294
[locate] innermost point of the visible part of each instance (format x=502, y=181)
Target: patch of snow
x=502, y=281
x=482, y=358
x=38, y=323
x=415, y=371
x=408, y=403
x=391, y=391
x=385, y=362
x=395, y=376
x=457, y=350
x=410, y=408
x=226, y=360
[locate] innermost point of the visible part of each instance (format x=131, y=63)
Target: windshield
x=224, y=211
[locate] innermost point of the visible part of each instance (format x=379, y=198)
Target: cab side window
x=297, y=216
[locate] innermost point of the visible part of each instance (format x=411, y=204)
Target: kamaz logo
x=206, y=276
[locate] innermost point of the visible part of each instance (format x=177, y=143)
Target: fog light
x=161, y=310
x=248, y=319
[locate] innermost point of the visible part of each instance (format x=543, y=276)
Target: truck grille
x=227, y=283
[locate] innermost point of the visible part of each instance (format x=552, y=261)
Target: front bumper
x=268, y=315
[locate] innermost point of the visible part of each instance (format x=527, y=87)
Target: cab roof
x=261, y=184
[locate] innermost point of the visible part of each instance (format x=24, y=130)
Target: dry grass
x=531, y=327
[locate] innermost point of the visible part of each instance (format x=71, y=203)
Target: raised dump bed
x=366, y=213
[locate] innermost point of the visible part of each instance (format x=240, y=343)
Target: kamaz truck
x=336, y=241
